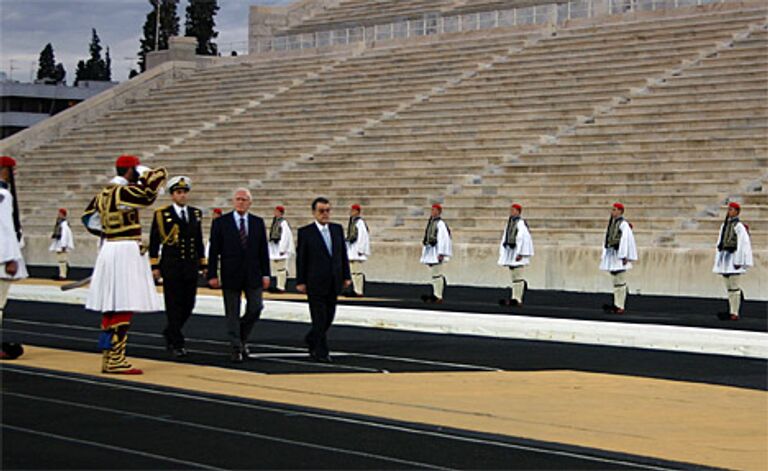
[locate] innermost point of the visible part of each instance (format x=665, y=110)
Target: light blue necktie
x=327, y=238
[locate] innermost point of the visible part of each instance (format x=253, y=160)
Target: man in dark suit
x=239, y=240
x=322, y=271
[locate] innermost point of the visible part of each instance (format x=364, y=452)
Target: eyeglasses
x=323, y=210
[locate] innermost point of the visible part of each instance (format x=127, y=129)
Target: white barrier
x=614, y=334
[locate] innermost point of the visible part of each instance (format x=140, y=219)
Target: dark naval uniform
x=183, y=256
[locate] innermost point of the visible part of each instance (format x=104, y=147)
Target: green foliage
x=200, y=24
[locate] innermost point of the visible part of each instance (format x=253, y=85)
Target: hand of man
x=738, y=267
x=11, y=267
x=440, y=258
x=518, y=258
x=301, y=288
x=156, y=274
x=214, y=283
x=347, y=283
x=265, y=282
x=623, y=261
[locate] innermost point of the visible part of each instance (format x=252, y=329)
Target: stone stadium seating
x=166, y=116
x=665, y=112
x=464, y=146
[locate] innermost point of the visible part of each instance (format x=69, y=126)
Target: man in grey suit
x=239, y=240
x=322, y=271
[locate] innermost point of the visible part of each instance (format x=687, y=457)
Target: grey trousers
x=239, y=328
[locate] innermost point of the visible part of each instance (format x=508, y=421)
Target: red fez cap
x=280, y=208
x=127, y=161
x=517, y=206
x=356, y=207
x=437, y=206
x=618, y=206
x=217, y=211
x=6, y=161
x=734, y=205
x=63, y=211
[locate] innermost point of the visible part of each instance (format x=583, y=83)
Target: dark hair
x=319, y=199
x=121, y=171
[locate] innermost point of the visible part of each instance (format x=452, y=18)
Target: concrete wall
x=664, y=271
x=180, y=49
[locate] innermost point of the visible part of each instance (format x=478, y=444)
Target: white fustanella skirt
x=122, y=280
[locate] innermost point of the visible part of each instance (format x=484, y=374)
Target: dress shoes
x=237, y=356
x=320, y=358
x=179, y=352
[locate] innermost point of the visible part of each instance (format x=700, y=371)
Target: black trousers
x=179, y=291
x=322, y=308
x=239, y=328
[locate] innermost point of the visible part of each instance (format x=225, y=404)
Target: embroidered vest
x=430, y=234
x=613, y=233
x=729, y=240
x=276, y=230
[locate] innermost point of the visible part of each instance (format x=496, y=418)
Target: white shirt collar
x=320, y=227
x=118, y=180
x=237, y=220
x=179, y=208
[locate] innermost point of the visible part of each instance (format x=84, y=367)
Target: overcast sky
x=26, y=26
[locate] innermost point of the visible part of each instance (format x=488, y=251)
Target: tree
x=60, y=74
x=48, y=70
x=107, y=66
x=200, y=23
x=46, y=64
x=81, y=73
x=169, y=26
x=95, y=68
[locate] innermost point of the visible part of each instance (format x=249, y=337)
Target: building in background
x=25, y=104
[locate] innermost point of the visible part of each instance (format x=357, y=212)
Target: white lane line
x=242, y=433
x=93, y=341
x=423, y=362
x=329, y=365
x=625, y=334
x=257, y=356
x=282, y=347
x=336, y=366
x=338, y=418
x=118, y=449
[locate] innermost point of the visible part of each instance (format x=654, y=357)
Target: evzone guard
x=619, y=251
x=358, y=248
x=62, y=243
x=12, y=267
x=280, y=248
x=436, y=251
x=515, y=252
x=733, y=258
x=122, y=283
